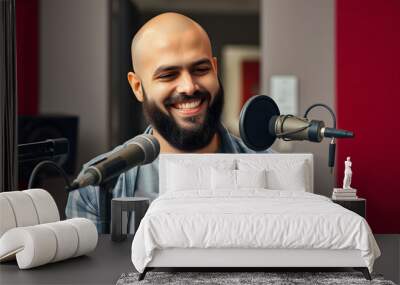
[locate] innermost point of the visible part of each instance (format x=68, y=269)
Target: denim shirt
x=139, y=181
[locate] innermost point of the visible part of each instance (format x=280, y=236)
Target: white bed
x=247, y=210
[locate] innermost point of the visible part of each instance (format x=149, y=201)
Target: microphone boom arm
x=329, y=132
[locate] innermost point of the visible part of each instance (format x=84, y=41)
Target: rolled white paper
x=45, y=205
x=33, y=246
x=66, y=238
x=7, y=218
x=40, y=244
x=87, y=235
x=23, y=208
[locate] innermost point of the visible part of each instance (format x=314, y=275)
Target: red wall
x=27, y=23
x=368, y=102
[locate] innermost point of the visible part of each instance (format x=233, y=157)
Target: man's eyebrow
x=166, y=68
x=201, y=61
x=175, y=67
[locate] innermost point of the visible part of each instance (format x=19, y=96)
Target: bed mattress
x=250, y=219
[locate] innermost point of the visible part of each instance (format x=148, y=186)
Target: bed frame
x=245, y=259
x=242, y=259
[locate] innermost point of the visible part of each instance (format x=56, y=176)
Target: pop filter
x=254, y=122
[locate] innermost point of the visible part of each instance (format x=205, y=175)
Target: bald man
x=175, y=77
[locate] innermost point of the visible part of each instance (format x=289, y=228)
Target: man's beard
x=186, y=139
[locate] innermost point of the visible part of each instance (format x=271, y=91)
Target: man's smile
x=191, y=107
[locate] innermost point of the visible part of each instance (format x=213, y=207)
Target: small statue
x=347, y=174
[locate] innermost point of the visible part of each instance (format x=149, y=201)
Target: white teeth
x=190, y=105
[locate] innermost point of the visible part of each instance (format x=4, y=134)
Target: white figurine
x=347, y=174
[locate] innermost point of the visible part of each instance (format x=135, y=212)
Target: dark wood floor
x=389, y=262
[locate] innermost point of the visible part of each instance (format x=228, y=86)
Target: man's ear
x=215, y=64
x=136, y=85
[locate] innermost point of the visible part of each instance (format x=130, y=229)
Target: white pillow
x=293, y=179
x=183, y=177
x=282, y=174
x=193, y=175
x=227, y=179
x=251, y=178
x=223, y=179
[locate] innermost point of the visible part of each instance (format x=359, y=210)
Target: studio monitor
x=41, y=127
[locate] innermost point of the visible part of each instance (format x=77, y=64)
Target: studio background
x=76, y=54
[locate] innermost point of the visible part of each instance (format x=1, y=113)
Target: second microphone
x=142, y=149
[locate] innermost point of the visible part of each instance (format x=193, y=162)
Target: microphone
x=261, y=123
x=143, y=149
x=290, y=127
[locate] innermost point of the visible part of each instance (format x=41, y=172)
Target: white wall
x=74, y=64
x=297, y=38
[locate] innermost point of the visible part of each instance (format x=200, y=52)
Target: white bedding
x=250, y=218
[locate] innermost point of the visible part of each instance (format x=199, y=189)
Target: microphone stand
x=105, y=197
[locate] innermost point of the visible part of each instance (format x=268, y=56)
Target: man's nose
x=186, y=84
